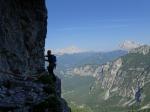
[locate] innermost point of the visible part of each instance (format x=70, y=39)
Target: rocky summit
x=25, y=86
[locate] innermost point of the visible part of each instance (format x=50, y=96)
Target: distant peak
x=129, y=45
x=69, y=50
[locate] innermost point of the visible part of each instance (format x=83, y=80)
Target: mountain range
x=68, y=62
x=111, y=84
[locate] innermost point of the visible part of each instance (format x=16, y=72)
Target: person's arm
x=46, y=60
x=45, y=57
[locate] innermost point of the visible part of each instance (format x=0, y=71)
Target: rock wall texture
x=25, y=86
x=22, y=37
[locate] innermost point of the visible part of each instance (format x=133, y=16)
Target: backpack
x=54, y=59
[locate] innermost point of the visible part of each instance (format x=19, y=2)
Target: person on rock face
x=51, y=59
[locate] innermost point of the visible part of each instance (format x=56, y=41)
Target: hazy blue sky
x=97, y=24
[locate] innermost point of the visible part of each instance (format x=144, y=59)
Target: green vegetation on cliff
x=114, y=86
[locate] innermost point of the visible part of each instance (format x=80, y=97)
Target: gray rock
x=23, y=27
x=22, y=37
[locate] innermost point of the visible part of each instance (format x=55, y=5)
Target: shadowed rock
x=23, y=27
x=22, y=36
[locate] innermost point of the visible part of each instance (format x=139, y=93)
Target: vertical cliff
x=22, y=36
x=24, y=84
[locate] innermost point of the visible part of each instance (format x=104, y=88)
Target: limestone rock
x=22, y=37
x=23, y=27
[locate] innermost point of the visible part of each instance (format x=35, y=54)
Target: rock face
x=25, y=86
x=133, y=66
x=124, y=76
x=22, y=37
x=129, y=45
x=141, y=50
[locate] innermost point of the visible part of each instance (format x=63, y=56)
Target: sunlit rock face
x=129, y=45
x=145, y=49
x=22, y=37
x=121, y=78
x=124, y=75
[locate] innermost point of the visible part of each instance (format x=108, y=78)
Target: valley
x=110, y=84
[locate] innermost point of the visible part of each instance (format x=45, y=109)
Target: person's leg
x=50, y=70
x=54, y=77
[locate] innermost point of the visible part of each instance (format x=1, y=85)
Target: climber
x=51, y=59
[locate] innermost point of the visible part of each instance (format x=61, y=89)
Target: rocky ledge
x=40, y=94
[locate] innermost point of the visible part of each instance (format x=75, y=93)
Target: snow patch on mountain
x=69, y=50
x=129, y=45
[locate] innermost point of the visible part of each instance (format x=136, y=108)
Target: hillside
x=68, y=62
x=115, y=83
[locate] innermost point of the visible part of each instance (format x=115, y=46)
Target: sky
x=98, y=25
